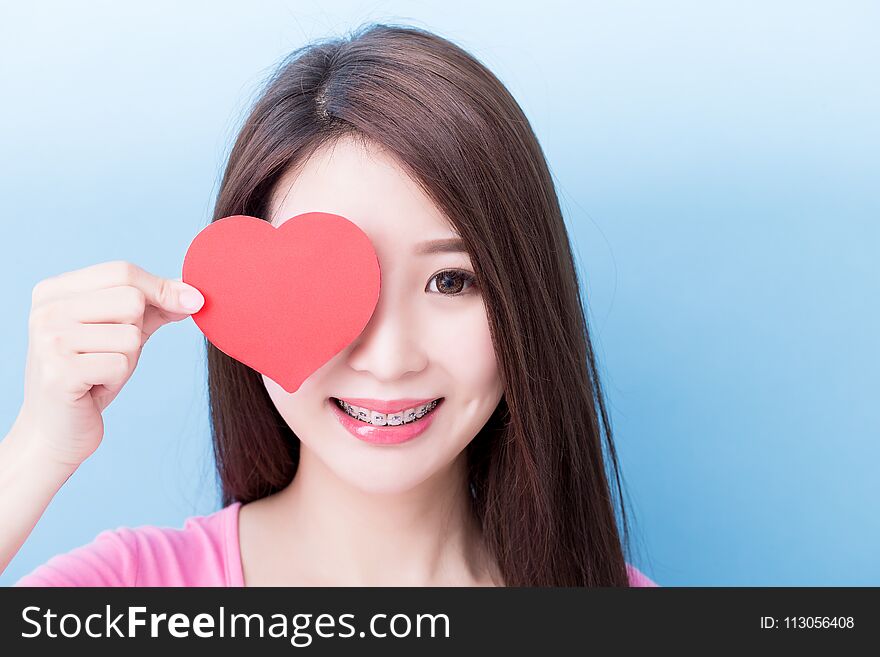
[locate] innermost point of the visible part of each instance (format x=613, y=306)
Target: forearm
x=28, y=482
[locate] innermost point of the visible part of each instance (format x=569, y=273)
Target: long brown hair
x=537, y=468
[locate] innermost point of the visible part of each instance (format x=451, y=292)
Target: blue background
x=718, y=165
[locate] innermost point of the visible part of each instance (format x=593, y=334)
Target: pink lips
x=386, y=406
x=385, y=435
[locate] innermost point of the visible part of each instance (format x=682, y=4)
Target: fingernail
x=191, y=299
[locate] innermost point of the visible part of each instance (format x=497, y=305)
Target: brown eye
x=451, y=282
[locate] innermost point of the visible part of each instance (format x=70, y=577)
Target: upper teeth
x=381, y=419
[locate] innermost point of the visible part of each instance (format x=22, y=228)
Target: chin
x=382, y=483
x=380, y=472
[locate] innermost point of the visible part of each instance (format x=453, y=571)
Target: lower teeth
x=430, y=407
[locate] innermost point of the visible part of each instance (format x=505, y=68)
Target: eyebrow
x=451, y=245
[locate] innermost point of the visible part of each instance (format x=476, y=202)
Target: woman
x=479, y=333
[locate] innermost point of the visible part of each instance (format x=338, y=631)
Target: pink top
x=204, y=553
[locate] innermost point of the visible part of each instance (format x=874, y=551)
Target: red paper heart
x=283, y=300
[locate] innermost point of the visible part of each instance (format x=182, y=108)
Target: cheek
x=283, y=401
x=463, y=347
x=290, y=406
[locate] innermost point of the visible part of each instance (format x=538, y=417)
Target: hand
x=85, y=335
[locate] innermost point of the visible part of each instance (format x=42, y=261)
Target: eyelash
x=469, y=278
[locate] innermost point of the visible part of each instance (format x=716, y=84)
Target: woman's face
x=428, y=336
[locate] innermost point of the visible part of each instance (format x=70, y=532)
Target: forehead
x=364, y=184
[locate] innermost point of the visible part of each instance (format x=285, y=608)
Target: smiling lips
x=386, y=406
x=382, y=434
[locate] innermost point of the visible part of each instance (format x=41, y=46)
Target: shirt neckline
x=235, y=568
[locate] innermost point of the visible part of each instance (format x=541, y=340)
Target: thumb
x=178, y=306
x=189, y=299
x=169, y=295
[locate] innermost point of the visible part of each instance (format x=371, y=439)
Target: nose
x=390, y=346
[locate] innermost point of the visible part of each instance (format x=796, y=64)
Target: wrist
x=24, y=451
